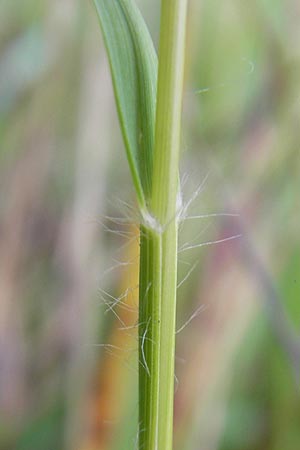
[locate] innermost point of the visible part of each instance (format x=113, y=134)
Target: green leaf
x=133, y=64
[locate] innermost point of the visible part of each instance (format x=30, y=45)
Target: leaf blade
x=133, y=64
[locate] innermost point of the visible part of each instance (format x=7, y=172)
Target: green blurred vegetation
x=63, y=172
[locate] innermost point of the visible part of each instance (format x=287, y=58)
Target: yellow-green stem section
x=158, y=259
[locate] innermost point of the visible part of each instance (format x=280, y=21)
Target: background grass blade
x=133, y=64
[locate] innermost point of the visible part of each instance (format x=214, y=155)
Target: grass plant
x=149, y=102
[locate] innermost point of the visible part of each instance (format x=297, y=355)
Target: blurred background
x=69, y=237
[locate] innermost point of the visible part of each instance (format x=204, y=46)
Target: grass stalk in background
x=153, y=145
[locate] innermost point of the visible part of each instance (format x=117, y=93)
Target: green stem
x=158, y=259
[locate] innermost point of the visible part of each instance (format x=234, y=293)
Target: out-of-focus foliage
x=62, y=173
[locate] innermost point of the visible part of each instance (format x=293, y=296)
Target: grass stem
x=158, y=258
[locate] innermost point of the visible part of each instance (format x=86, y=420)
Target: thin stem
x=169, y=105
x=158, y=263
